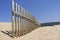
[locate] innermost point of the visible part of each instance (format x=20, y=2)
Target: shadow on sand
x=9, y=33
x=50, y=24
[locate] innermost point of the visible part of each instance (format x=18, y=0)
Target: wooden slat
x=16, y=22
x=13, y=19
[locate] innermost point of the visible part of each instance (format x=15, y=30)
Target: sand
x=41, y=33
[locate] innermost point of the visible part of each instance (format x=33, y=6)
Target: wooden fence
x=22, y=21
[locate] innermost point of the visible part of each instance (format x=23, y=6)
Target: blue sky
x=42, y=10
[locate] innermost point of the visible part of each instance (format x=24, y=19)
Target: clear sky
x=42, y=10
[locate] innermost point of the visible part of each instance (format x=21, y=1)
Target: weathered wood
x=24, y=22
x=18, y=21
x=16, y=27
x=13, y=19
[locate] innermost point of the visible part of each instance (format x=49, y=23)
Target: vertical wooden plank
x=23, y=23
x=26, y=21
x=24, y=12
x=22, y=19
x=20, y=26
x=28, y=26
x=16, y=22
x=13, y=19
x=19, y=21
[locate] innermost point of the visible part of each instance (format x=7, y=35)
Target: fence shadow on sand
x=9, y=33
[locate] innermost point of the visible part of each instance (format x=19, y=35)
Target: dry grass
x=41, y=33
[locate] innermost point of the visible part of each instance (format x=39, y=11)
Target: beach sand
x=41, y=33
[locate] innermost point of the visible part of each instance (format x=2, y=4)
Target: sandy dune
x=41, y=33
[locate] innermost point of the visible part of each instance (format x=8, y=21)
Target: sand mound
x=41, y=33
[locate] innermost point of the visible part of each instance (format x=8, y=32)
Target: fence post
x=16, y=27
x=18, y=21
x=13, y=19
